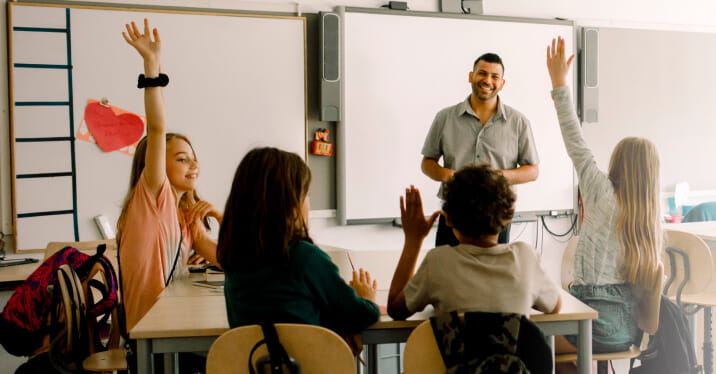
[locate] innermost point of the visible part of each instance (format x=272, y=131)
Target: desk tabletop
x=196, y=313
x=572, y=310
x=186, y=288
x=18, y=273
x=172, y=317
x=704, y=230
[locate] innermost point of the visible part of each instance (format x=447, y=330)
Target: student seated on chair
x=616, y=262
x=478, y=274
x=274, y=272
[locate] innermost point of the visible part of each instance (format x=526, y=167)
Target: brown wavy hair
x=263, y=211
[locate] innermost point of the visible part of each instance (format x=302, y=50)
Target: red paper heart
x=112, y=131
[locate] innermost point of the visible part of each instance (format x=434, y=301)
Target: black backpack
x=671, y=349
x=484, y=342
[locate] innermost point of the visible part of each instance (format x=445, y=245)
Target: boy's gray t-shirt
x=507, y=278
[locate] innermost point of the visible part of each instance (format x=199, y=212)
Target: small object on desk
x=18, y=261
x=198, y=268
x=214, y=274
x=675, y=219
x=350, y=260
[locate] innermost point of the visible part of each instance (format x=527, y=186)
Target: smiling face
x=486, y=80
x=182, y=165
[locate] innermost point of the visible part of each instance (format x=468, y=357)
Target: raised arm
x=148, y=44
x=582, y=157
x=415, y=229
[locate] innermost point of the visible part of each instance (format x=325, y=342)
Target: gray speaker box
x=330, y=67
x=589, y=74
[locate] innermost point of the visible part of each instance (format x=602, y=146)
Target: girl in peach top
x=162, y=218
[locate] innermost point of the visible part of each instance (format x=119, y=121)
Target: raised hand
x=557, y=63
x=147, y=47
x=415, y=226
x=364, y=286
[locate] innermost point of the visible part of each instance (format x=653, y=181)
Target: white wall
x=656, y=14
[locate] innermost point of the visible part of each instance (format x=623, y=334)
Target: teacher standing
x=480, y=130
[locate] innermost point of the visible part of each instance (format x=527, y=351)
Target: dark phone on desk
x=202, y=268
x=198, y=268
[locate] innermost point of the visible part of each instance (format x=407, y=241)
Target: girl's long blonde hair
x=634, y=173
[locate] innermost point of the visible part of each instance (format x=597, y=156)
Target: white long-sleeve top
x=598, y=256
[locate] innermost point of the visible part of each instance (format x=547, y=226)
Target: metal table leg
x=584, y=347
x=708, y=342
x=144, y=356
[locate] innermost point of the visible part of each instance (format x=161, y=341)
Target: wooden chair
x=690, y=275
x=567, y=273
x=318, y=350
x=421, y=353
x=88, y=247
x=74, y=340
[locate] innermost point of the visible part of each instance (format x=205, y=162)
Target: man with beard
x=480, y=130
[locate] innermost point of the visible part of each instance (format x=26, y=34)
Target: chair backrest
x=87, y=247
x=103, y=320
x=697, y=275
x=567, y=274
x=421, y=353
x=53, y=247
x=318, y=350
x=701, y=212
x=70, y=343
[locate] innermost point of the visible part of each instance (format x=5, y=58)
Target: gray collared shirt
x=459, y=137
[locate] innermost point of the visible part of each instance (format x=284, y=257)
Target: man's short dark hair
x=478, y=201
x=492, y=58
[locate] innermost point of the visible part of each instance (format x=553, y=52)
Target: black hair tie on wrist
x=161, y=81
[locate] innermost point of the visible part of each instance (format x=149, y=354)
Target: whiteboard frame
x=341, y=179
x=87, y=231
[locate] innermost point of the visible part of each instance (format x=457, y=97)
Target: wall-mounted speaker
x=589, y=74
x=330, y=67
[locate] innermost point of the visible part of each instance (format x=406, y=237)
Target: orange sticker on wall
x=111, y=127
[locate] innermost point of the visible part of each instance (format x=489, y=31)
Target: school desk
x=705, y=230
x=189, y=319
x=12, y=276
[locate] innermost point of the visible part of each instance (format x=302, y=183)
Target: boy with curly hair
x=478, y=274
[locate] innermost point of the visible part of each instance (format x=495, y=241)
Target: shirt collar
x=499, y=115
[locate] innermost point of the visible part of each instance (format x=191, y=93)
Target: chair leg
x=708, y=347
x=602, y=367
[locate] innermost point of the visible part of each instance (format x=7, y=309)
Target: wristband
x=161, y=81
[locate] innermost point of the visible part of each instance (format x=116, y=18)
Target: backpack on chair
x=26, y=322
x=671, y=349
